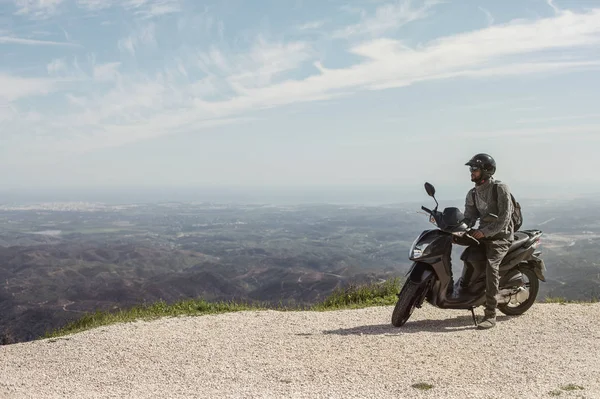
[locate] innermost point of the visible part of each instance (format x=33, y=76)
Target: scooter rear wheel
x=533, y=286
x=407, y=301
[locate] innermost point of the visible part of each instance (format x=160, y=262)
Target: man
x=495, y=234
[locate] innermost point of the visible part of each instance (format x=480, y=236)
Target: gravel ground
x=337, y=354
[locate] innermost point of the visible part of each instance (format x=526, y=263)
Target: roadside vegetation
x=350, y=297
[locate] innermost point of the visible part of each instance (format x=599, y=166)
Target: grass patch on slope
x=564, y=301
x=190, y=307
x=351, y=297
x=360, y=296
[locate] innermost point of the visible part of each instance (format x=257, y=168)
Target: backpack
x=517, y=216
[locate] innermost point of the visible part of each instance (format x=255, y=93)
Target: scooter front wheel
x=407, y=301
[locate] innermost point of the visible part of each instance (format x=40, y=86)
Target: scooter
x=430, y=276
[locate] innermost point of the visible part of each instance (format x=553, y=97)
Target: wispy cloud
x=96, y=4
x=517, y=68
x=37, y=8
x=144, y=36
x=311, y=25
x=142, y=8
x=56, y=66
x=216, y=85
x=388, y=17
x=13, y=88
x=265, y=61
x=106, y=72
x=42, y=9
x=67, y=37
x=60, y=68
x=554, y=7
x=200, y=24
x=32, y=42
x=158, y=8
x=488, y=15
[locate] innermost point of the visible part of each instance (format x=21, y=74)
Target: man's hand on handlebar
x=477, y=234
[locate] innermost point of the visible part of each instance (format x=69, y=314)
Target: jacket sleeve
x=471, y=213
x=504, y=213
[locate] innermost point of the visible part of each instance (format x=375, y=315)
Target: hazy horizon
x=356, y=93
x=356, y=195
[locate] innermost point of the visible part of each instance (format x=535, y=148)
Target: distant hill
x=55, y=265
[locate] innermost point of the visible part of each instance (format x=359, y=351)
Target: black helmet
x=484, y=162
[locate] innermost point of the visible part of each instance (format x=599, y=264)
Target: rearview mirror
x=430, y=189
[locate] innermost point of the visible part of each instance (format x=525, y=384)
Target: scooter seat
x=520, y=240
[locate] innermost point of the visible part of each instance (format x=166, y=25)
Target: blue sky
x=153, y=93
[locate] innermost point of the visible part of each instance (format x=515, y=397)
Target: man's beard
x=477, y=180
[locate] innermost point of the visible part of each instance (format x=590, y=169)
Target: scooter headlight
x=417, y=251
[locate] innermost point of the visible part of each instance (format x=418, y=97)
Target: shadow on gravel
x=455, y=324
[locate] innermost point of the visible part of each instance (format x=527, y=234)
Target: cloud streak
x=554, y=8
x=488, y=15
x=144, y=9
x=311, y=25
x=144, y=36
x=388, y=17
x=158, y=8
x=389, y=63
x=39, y=9
x=32, y=42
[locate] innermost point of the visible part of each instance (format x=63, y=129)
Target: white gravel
x=337, y=354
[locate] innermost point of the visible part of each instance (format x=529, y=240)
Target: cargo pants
x=493, y=251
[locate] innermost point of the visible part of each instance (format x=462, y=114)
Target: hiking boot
x=487, y=322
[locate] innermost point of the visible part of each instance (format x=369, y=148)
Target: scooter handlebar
x=473, y=238
x=426, y=209
x=466, y=234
